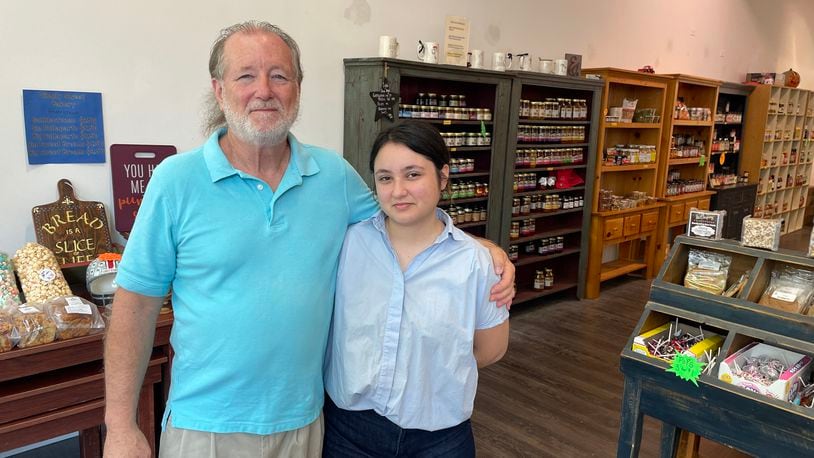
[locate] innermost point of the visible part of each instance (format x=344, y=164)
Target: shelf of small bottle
x=766, y=140
x=523, y=260
x=556, y=122
x=785, y=188
x=729, y=151
x=525, y=295
x=551, y=145
x=685, y=161
x=546, y=234
x=689, y=122
x=790, y=164
x=547, y=191
x=549, y=167
x=632, y=125
x=628, y=168
x=464, y=149
x=469, y=225
x=469, y=175
x=467, y=200
x=545, y=214
x=453, y=122
x=724, y=123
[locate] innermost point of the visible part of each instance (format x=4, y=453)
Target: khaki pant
x=305, y=442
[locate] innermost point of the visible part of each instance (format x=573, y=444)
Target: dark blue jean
x=367, y=434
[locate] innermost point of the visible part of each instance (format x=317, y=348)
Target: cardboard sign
x=131, y=167
x=456, y=40
x=76, y=231
x=63, y=127
x=706, y=224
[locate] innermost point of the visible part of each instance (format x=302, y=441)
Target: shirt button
x=260, y=187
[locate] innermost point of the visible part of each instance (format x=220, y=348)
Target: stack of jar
x=461, y=165
x=550, y=134
x=430, y=112
x=544, y=279
x=683, y=146
x=545, y=157
x=629, y=155
x=461, y=215
x=552, y=108
x=465, y=190
x=694, y=113
x=524, y=182
x=543, y=247
x=522, y=228
x=452, y=139
x=728, y=144
x=608, y=201
x=677, y=186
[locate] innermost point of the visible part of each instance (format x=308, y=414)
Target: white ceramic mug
x=561, y=67
x=524, y=61
x=546, y=66
x=475, y=58
x=388, y=46
x=428, y=52
x=501, y=61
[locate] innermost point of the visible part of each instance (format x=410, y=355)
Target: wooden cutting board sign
x=75, y=230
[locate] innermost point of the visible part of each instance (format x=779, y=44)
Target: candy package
x=707, y=271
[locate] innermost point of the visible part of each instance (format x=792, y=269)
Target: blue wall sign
x=63, y=127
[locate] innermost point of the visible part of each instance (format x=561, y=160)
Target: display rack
x=622, y=240
x=778, y=152
x=683, y=175
x=483, y=89
x=720, y=411
x=534, y=151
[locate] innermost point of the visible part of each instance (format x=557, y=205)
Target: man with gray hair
x=247, y=230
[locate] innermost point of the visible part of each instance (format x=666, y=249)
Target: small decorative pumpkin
x=792, y=78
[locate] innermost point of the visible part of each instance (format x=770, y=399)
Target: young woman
x=412, y=321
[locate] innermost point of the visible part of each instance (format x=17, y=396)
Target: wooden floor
x=557, y=392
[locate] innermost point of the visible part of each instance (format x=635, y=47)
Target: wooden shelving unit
x=483, y=89
x=700, y=96
x=726, y=413
x=778, y=152
x=569, y=223
x=623, y=242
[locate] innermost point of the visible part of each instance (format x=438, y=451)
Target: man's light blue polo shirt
x=253, y=274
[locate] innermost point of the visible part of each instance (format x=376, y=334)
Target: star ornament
x=385, y=100
x=686, y=368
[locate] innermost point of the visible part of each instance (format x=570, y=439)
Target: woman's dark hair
x=421, y=137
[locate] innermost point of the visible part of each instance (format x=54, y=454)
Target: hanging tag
x=702, y=160
x=482, y=129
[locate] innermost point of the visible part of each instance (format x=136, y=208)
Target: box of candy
x=768, y=370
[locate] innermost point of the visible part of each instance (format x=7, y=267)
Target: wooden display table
x=734, y=416
x=58, y=388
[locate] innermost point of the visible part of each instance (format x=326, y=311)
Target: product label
x=786, y=293
x=76, y=305
x=709, y=265
x=47, y=275
x=28, y=309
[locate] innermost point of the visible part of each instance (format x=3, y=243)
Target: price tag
x=686, y=368
x=447, y=122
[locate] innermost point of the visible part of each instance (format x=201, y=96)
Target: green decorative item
x=482, y=129
x=702, y=160
x=687, y=368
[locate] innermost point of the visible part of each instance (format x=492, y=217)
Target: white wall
x=148, y=58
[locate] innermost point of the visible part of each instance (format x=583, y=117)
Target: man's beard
x=241, y=126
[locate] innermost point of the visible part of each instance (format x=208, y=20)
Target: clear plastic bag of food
x=761, y=233
x=8, y=333
x=34, y=326
x=40, y=274
x=790, y=289
x=707, y=271
x=73, y=317
x=811, y=243
x=9, y=294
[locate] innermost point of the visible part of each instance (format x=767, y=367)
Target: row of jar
x=726, y=144
x=676, y=187
x=787, y=158
x=461, y=215
x=444, y=100
x=684, y=112
x=770, y=209
x=528, y=205
x=465, y=190
x=787, y=108
x=609, y=201
x=453, y=139
x=776, y=184
x=576, y=109
x=729, y=117
x=546, y=246
x=629, y=155
x=543, y=279
x=786, y=134
x=461, y=165
x=428, y=112
x=550, y=134
x=545, y=157
x=524, y=182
